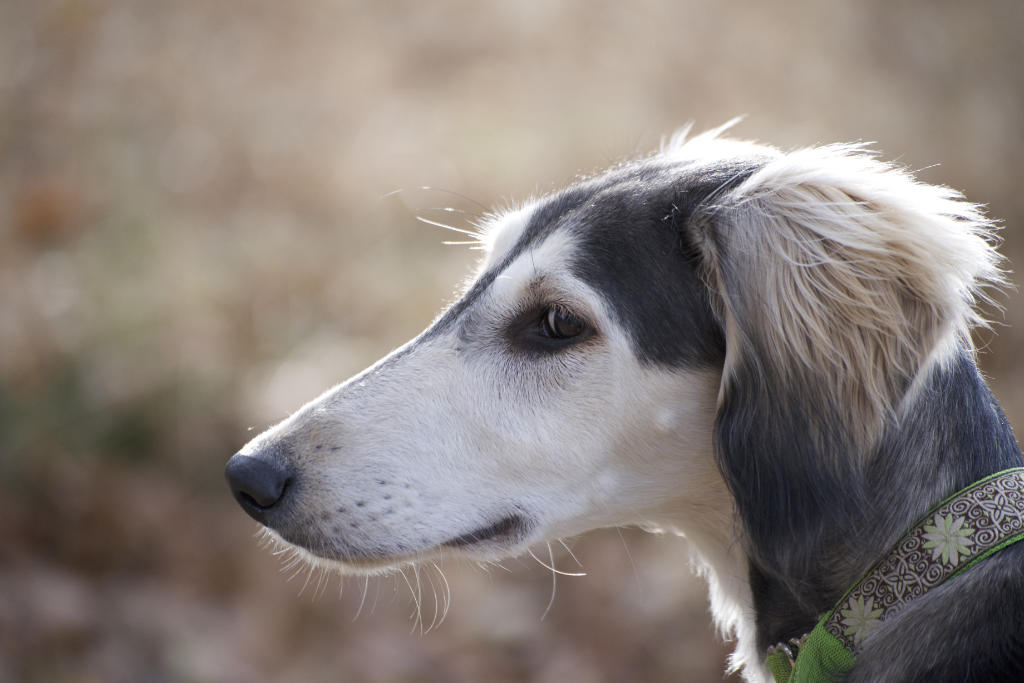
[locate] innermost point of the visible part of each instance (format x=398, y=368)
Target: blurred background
x=207, y=216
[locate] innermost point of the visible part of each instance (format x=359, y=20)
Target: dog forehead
x=544, y=262
x=621, y=235
x=512, y=233
x=665, y=186
x=502, y=232
x=618, y=237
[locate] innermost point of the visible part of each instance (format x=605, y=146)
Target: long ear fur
x=837, y=279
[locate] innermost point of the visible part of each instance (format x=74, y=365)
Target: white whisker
x=428, y=188
x=571, y=553
x=487, y=564
x=395, y=586
x=309, y=575
x=451, y=209
x=321, y=583
x=416, y=616
x=554, y=583
x=464, y=231
x=362, y=600
x=419, y=596
x=297, y=564
x=437, y=605
x=293, y=559
x=447, y=592
x=636, y=574
x=376, y=597
x=551, y=567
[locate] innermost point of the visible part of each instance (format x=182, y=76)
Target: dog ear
x=835, y=278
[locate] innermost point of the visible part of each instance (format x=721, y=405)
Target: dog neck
x=951, y=432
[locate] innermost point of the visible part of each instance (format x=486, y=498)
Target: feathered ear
x=836, y=278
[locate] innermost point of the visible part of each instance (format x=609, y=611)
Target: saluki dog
x=766, y=352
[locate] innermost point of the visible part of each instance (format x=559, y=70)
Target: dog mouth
x=500, y=537
x=508, y=529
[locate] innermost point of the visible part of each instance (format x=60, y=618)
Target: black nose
x=257, y=484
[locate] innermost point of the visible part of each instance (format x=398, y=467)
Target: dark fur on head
x=850, y=401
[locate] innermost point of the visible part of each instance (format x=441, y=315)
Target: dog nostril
x=256, y=484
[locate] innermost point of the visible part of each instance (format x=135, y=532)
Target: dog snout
x=258, y=484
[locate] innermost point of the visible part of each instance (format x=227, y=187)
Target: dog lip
x=507, y=528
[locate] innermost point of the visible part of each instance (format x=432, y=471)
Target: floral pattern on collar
x=962, y=530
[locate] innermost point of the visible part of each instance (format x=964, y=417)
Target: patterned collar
x=953, y=536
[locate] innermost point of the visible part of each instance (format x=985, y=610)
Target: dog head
x=718, y=328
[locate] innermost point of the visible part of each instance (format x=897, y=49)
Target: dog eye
x=559, y=323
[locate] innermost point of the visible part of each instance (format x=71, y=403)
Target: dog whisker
x=293, y=562
x=447, y=594
x=376, y=594
x=293, y=558
x=551, y=567
x=554, y=582
x=629, y=555
x=437, y=605
x=417, y=614
x=437, y=224
x=309, y=575
x=321, y=583
x=428, y=188
x=452, y=209
x=362, y=599
x=571, y=553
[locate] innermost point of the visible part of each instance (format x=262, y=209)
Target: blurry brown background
x=199, y=231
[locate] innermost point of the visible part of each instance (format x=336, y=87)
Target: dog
x=766, y=352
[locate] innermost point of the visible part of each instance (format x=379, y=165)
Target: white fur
x=584, y=455
x=866, y=307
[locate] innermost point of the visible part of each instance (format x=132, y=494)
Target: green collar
x=952, y=537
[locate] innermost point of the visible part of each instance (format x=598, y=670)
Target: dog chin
x=501, y=538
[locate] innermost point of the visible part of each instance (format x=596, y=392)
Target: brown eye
x=559, y=323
